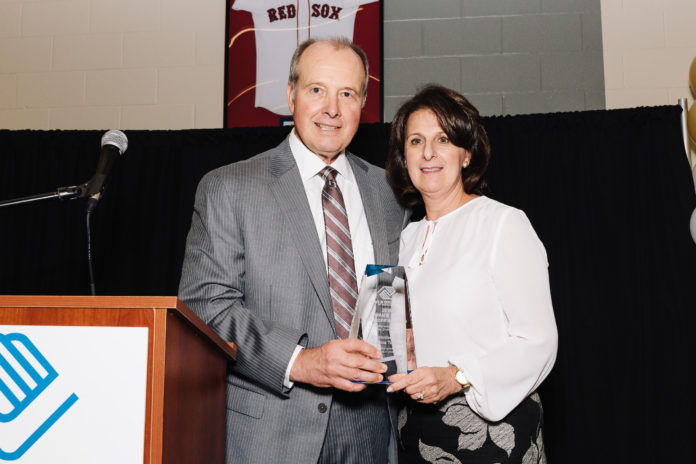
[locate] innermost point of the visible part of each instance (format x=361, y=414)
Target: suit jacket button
x=322, y=408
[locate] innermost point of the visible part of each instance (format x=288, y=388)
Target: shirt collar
x=310, y=164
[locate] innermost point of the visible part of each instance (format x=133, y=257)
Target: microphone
x=113, y=144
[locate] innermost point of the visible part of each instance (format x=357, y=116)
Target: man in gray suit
x=256, y=271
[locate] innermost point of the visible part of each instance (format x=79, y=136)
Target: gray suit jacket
x=255, y=273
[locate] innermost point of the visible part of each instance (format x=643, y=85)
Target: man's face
x=328, y=99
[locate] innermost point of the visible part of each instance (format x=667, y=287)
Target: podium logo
x=24, y=376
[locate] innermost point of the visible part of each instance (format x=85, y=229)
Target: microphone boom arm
x=62, y=193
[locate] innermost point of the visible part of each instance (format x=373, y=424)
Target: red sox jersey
x=280, y=26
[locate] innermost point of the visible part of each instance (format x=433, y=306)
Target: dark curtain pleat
x=608, y=192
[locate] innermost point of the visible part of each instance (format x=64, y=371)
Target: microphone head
x=116, y=138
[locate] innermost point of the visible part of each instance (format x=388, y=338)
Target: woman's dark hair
x=460, y=120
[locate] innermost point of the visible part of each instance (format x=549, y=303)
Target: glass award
x=383, y=317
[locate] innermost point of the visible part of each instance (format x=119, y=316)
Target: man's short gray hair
x=338, y=43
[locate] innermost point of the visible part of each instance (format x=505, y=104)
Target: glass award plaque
x=383, y=317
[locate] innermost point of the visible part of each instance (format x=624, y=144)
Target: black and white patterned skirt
x=451, y=432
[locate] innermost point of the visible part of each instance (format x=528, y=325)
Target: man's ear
x=291, y=102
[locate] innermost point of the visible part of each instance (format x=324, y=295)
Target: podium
x=184, y=368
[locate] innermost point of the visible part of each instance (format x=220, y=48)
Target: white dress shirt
x=310, y=165
x=480, y=300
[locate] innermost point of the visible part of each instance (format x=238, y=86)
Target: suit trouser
x=359, y=429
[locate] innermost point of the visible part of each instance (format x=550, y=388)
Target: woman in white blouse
x=483, y=323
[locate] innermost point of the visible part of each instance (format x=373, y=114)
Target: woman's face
x=433, y=162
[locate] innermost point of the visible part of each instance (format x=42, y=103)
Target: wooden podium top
x=119, y=302
x=67, y=301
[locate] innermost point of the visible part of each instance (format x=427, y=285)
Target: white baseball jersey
x=280, y=26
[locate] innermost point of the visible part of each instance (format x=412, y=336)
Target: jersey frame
x=240, y=106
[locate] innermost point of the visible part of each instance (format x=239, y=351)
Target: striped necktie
x=339, y=251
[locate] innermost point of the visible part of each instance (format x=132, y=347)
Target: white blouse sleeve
x=509, y=372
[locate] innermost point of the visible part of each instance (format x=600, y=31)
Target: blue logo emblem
x=21, y=382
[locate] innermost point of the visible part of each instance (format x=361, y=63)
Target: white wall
x=99, y=64
x=648, y=48
x=158, y=64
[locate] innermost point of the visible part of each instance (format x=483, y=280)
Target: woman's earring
x=465, y=164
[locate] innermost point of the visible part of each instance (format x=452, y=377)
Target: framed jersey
x=261, y=38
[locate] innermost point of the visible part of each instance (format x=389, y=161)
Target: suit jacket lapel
x=373, y=210
x=289, y=192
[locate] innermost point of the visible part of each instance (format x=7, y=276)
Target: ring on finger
x=419, y=396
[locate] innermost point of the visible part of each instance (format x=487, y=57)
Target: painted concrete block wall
x=96, y=64
x=151, y=64
x=507, y=56
x=648, y=47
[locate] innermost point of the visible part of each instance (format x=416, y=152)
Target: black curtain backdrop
x=608, y=192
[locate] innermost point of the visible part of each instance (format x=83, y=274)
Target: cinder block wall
x=99, y=64
x=507, y=56
x=159, y=64
x=648, y=48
